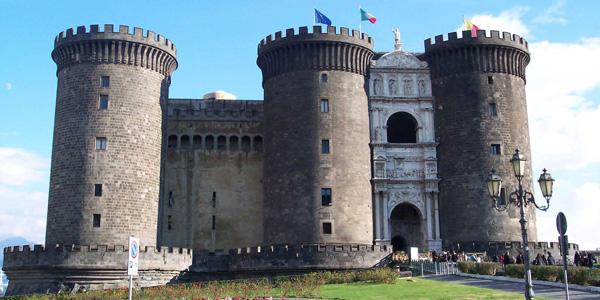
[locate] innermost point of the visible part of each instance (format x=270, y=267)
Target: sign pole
x=132, y=261
x=130, y=286
x=561, y=225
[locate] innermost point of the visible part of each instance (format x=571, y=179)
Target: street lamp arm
x=543, y=207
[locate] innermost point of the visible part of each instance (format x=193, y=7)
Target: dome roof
x=399, y=59
x=219, y=95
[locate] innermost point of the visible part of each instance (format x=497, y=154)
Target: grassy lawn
x=417, y=289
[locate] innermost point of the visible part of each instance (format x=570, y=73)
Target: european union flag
x=321, y=18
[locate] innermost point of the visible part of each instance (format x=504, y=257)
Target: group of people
x=585, y=259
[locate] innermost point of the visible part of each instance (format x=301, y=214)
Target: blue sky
x=217, y=41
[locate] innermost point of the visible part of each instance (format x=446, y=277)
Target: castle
x=351, y=154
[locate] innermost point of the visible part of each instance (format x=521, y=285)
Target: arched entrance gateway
x=406, y=227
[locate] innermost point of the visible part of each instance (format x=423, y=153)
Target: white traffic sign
x=134, y=256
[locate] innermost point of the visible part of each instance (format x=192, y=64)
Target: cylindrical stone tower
x=478, y=84
x=106, y=155
x=316, y=167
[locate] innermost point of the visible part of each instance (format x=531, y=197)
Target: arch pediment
x=400, y=59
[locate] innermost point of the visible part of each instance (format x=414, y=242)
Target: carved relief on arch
x=407, y=86
x=406, y=196
x=377, y=84
x=424, y=86
x=392, y=85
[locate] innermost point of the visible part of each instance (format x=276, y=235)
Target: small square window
x=103, y=102
x=323, y=77
x=104, y=81
x=325, y=146
x=324, y=105
x=490, y=79
x=101, y=143
x=326, y=196
x=97, y=190
x=327, y=228
x=96, y=220
x=495, y=149
x=493, y=110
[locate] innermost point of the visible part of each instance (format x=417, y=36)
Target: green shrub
x=577, y=275
x=484, y=268
x=381, y=275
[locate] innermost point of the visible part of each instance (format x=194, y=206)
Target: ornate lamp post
x=521, y=198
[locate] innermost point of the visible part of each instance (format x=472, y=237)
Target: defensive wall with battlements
x=65, y=268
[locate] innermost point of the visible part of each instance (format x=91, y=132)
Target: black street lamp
x=520, y=198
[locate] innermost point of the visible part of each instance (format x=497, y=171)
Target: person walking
x=577, y=259
x=550, y=259
x=519, y=259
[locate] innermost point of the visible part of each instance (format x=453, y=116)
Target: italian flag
x=365, y=16
x=470, y=26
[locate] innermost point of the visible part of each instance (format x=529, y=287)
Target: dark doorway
x=399, y=244
x=401, y=128
x=406, y=227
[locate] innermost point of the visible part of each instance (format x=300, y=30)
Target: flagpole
x=360, y=24
x=314, y=16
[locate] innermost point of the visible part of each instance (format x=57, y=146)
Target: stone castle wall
x=214, y=166
x=138, y=67
x=468, y=76
x=295, y=169
x=66, y=268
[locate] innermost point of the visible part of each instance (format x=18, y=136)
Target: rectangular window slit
x=101, y=143
x=97, y=190
x=103, y=102
x=495, y=149
x=325, y=146
x=324, y=105
x=104, y=81
x=327, y=228
x=96, y=220
x=326, y=196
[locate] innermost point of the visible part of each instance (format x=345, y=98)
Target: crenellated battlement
x=332, y=33
x=513, y=247
x=493, y=53
x=294, y=257
x=139, y=48
x=482, y=38
x=109, y=32
x=93, y=248
x=342, y=50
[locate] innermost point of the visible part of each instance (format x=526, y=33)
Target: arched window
x=245, y=143
x=197, y=142
x=258, y=143
x=221, y=142
x=209, y=142
x=402, y=128
x=185, y=142
x=172, y=141
x=234, y=143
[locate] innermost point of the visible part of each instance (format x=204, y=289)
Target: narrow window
x=495, y=149
x=97, y=190
x=214, y=223
x=171, y=201
x=100, y=143
x=323, y=77
x=209, y=142
x=214, y=199
x=169, y=223
x=246, y=141
x=493, y=110
x=327, y=228
x=184, y=142
x=490, y=80
x=325, y=146
x=221, y=142
x=103, y=102
x=104, y=81
x=234, y=143
x=258, y=143
x=326, y=196
x=96, y=220
x=197, y=142
x=324, y=105
x=172, y=141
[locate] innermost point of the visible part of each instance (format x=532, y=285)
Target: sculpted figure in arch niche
x=393, y=87
x=407, y=86
x=422, y=87
x=377, y=87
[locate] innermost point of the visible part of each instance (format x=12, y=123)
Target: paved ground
x=539, y=290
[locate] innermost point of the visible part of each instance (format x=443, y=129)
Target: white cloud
x=508, y=20
x=8, y=86
x=23, y=213
x=20, y=167
x=581, y=221
x=553, y=14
